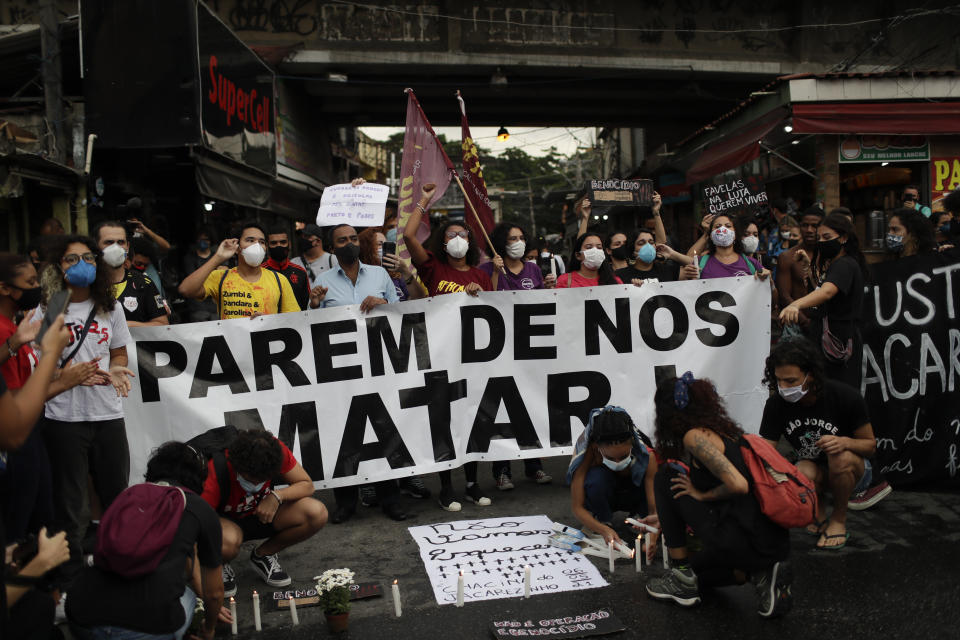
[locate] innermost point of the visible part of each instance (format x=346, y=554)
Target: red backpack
x=136, y=531
x=786, y=496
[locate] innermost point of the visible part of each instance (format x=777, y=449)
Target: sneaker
x=368, y=496
x=773, y=590
x=540, y=477
x=447, y=503
x=476, y=496
x=871, y=496
x=679, y=585
x=414, y=487
x=504, y=483
x=269, y=569
x=229, y=581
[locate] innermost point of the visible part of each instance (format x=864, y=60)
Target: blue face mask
x=647, y=253
x=203, y=245
x=944, y=229
x=248, y=486
x=81, y=274
x=894, y=243
x=391, y=235
x=617, y=466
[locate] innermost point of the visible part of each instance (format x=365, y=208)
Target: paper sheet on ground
x=492, y=554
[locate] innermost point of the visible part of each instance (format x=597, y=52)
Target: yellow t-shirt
x=241, y=299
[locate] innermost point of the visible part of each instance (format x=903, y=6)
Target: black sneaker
x=679, y=585
x=269, y=569
x=476, y=496
x=447, y=503
x=414, y=487
x=368, y=496
x=229, y=581
x=773, y=590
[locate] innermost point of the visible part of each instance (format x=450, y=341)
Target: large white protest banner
x=426, y=385
x=362, y=205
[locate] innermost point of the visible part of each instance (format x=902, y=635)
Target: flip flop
x=845, y=536
x=820, y=525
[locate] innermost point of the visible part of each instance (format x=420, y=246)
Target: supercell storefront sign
x=426, y=385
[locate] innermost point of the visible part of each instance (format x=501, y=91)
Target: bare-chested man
x=792, y=267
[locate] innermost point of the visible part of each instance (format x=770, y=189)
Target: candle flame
x=231, y=599
x=461, y=573
x=394, y=582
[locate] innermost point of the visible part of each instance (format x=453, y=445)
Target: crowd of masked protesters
x=77, y=551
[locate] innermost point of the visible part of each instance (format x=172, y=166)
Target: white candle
x=460, y=590
x=526, y=581
x=610, y=546
x=553, y=263
x=696, y=263
x=396, y=599
x=233, y=615
x=649, y=538
x=256, y=612
x=638, y=553
x=294, y=618
x=666, y=563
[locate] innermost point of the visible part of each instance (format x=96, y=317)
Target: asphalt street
x=896, y=578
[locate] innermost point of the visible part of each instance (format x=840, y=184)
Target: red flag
x=424, y=161
x=472, y=178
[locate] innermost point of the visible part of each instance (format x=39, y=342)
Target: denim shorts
x=864, y=483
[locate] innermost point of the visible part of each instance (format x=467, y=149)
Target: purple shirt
x=716, y=269
x=401, y=286
x=530, y=277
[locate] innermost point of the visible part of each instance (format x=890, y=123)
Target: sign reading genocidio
x=631, y=193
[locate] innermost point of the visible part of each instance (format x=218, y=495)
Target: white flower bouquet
x=333, y=588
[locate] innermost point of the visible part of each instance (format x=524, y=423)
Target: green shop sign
x=873, y=148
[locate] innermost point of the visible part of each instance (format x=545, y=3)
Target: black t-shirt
x=844, y=309
x=149, y=604
x=662, y=270
x=139, y=297
x=839, y=410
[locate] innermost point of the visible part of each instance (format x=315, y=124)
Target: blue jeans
x=606, y=492
x=189, y=602
x=864, y=482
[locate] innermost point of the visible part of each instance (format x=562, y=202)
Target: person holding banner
x=710, y=493
x=645, y=264
x=507, y=269
x=589, y=266
x=248, y=290
x=725, y=255
x=371, y=252
x=449, y=267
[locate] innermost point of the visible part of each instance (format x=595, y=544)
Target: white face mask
x=517, y=249
x=617, y=466
x=457, y=247
x=253, y=255
x=750, y=244
x=793, y=394
x=114, y=255
x=593, y=258
x=722, y=236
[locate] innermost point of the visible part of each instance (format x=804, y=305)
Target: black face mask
x=830, y=248
x=621, y=253
x=29, y=298
x=279, y=254
x=347, y=254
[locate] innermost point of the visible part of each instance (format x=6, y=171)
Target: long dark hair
x=918, y=227
x=10, y=266
x=437, y=241
x=498, y=237
x=737, y=239
x=704, y=410
x=842, y=226
x=605, y=272
x=101, y=291
x=799, y=353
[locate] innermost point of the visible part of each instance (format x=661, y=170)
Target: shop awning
x=736, y=149
x=891, y=118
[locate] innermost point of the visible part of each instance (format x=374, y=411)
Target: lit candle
x=610, y=546
x=396, y=599
x=696, y=263
x=649, y=538
x=666, y=563
x=638, y=553
x=233, y=615
x=526, y=581
x=256, y=612
x=460, y=590
x=293, y=611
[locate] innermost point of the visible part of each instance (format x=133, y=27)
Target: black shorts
x=253, y=529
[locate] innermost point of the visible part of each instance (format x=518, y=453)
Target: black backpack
x=211, y=445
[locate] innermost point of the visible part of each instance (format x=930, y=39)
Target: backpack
x=137, y=529
x=211, y=445
x=752, y=269
x=785, y=495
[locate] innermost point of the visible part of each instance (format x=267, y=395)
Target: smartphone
x=58, y=304
x=389, y=247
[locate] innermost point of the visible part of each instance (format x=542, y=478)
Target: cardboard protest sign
x=361, y=206
x=630, y=193
x=309, y=597
x=735, y=197
x=598, y=622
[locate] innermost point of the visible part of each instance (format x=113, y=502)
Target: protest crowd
x=68, y=504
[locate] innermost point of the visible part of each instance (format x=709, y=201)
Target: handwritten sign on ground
x=598, y=622
x=630, y=193
x=361, y=206
x=309, y=598
x=492, y=555
x=736, y=196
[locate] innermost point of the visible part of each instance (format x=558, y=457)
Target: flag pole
x=477, y=216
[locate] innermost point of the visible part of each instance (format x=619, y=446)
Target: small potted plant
x=333, y=589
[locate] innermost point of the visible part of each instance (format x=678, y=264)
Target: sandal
x=819, y=524
x=834, y=547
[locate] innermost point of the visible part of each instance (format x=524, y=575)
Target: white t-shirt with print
x=107, y=331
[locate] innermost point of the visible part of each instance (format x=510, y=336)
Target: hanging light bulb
x=503, y=134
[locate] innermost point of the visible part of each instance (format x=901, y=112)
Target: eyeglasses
x=71, y=258
x=453, y=234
